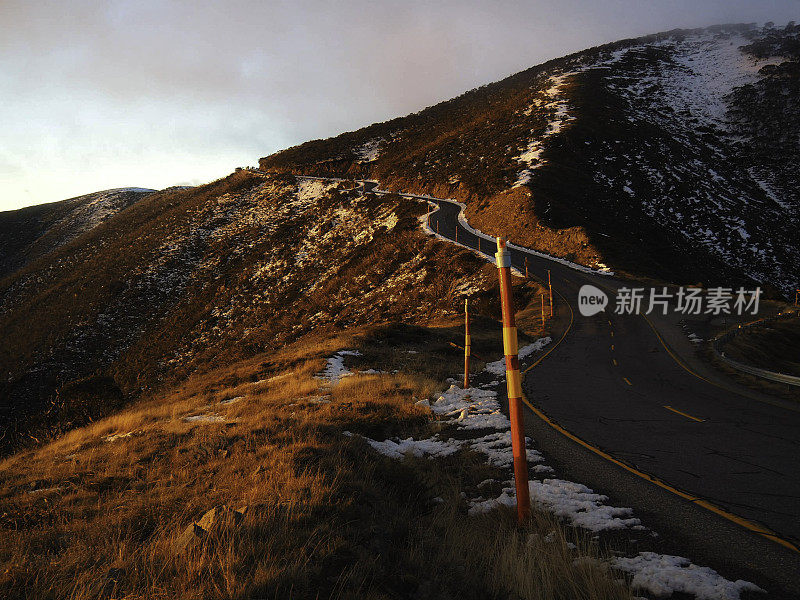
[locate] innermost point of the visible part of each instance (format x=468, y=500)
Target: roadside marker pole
x=550, y=285
x=542, y=295
x=467, y=343
x=513, y=383
x=456, y=232
x=526, y=268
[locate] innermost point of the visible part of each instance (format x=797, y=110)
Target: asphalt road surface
x=633, y=387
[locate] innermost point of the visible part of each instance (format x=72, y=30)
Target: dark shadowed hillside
x=672, y=155
x=31, y=232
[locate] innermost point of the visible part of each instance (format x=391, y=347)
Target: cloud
x=140, y=80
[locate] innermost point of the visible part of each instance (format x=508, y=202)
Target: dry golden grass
x=84, y=517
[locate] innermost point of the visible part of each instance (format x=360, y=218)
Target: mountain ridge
x=649, y=188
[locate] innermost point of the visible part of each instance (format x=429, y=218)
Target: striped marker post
x=526, y=268
x=513, y=383
x=542, y=314
x=550, y=285
x=467, y=343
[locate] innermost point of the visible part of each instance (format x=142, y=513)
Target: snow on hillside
x=553, y=101
x=93, y=209
x=369, y=151
x=690, y=182
x=694, y=82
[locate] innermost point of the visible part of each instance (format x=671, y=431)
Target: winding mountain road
x=622, y=402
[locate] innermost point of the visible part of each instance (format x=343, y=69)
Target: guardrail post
x=513, y=383
x=467, y=343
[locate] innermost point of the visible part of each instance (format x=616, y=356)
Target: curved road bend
x=610, y=381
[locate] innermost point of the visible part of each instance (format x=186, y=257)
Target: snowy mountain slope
x=672, y=155
x=31, y=232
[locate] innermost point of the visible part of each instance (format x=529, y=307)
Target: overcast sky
x=98, y=95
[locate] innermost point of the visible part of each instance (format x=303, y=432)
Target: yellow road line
x=714, y=383
x=683, y=414
x=628, y=381
x=749, y=525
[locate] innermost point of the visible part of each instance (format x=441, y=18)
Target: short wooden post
x=467, y=343
x=542, y=295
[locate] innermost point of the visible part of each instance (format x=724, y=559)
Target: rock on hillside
x=673, y=155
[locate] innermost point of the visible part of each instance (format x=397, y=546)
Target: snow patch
x=335, y=369
x=580, y=506
x=369, y=151
x=498, y=367
x=662, y=575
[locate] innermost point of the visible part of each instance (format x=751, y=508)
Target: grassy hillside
x=186, y=280
x=289, y=498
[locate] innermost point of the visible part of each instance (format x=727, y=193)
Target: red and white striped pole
x=513, y=383
x=467, y=343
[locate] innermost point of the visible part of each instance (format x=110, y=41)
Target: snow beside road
x=580, y=506
x=478, y=408
x=498, y=367
x=662, y=575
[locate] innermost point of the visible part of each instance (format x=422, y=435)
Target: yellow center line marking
x=614, y=360
x=609, y=321
x=628, y=381
x=683, y=414
x=749, y=525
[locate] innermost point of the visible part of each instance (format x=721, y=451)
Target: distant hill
x=673, y=155
x=31, y=232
